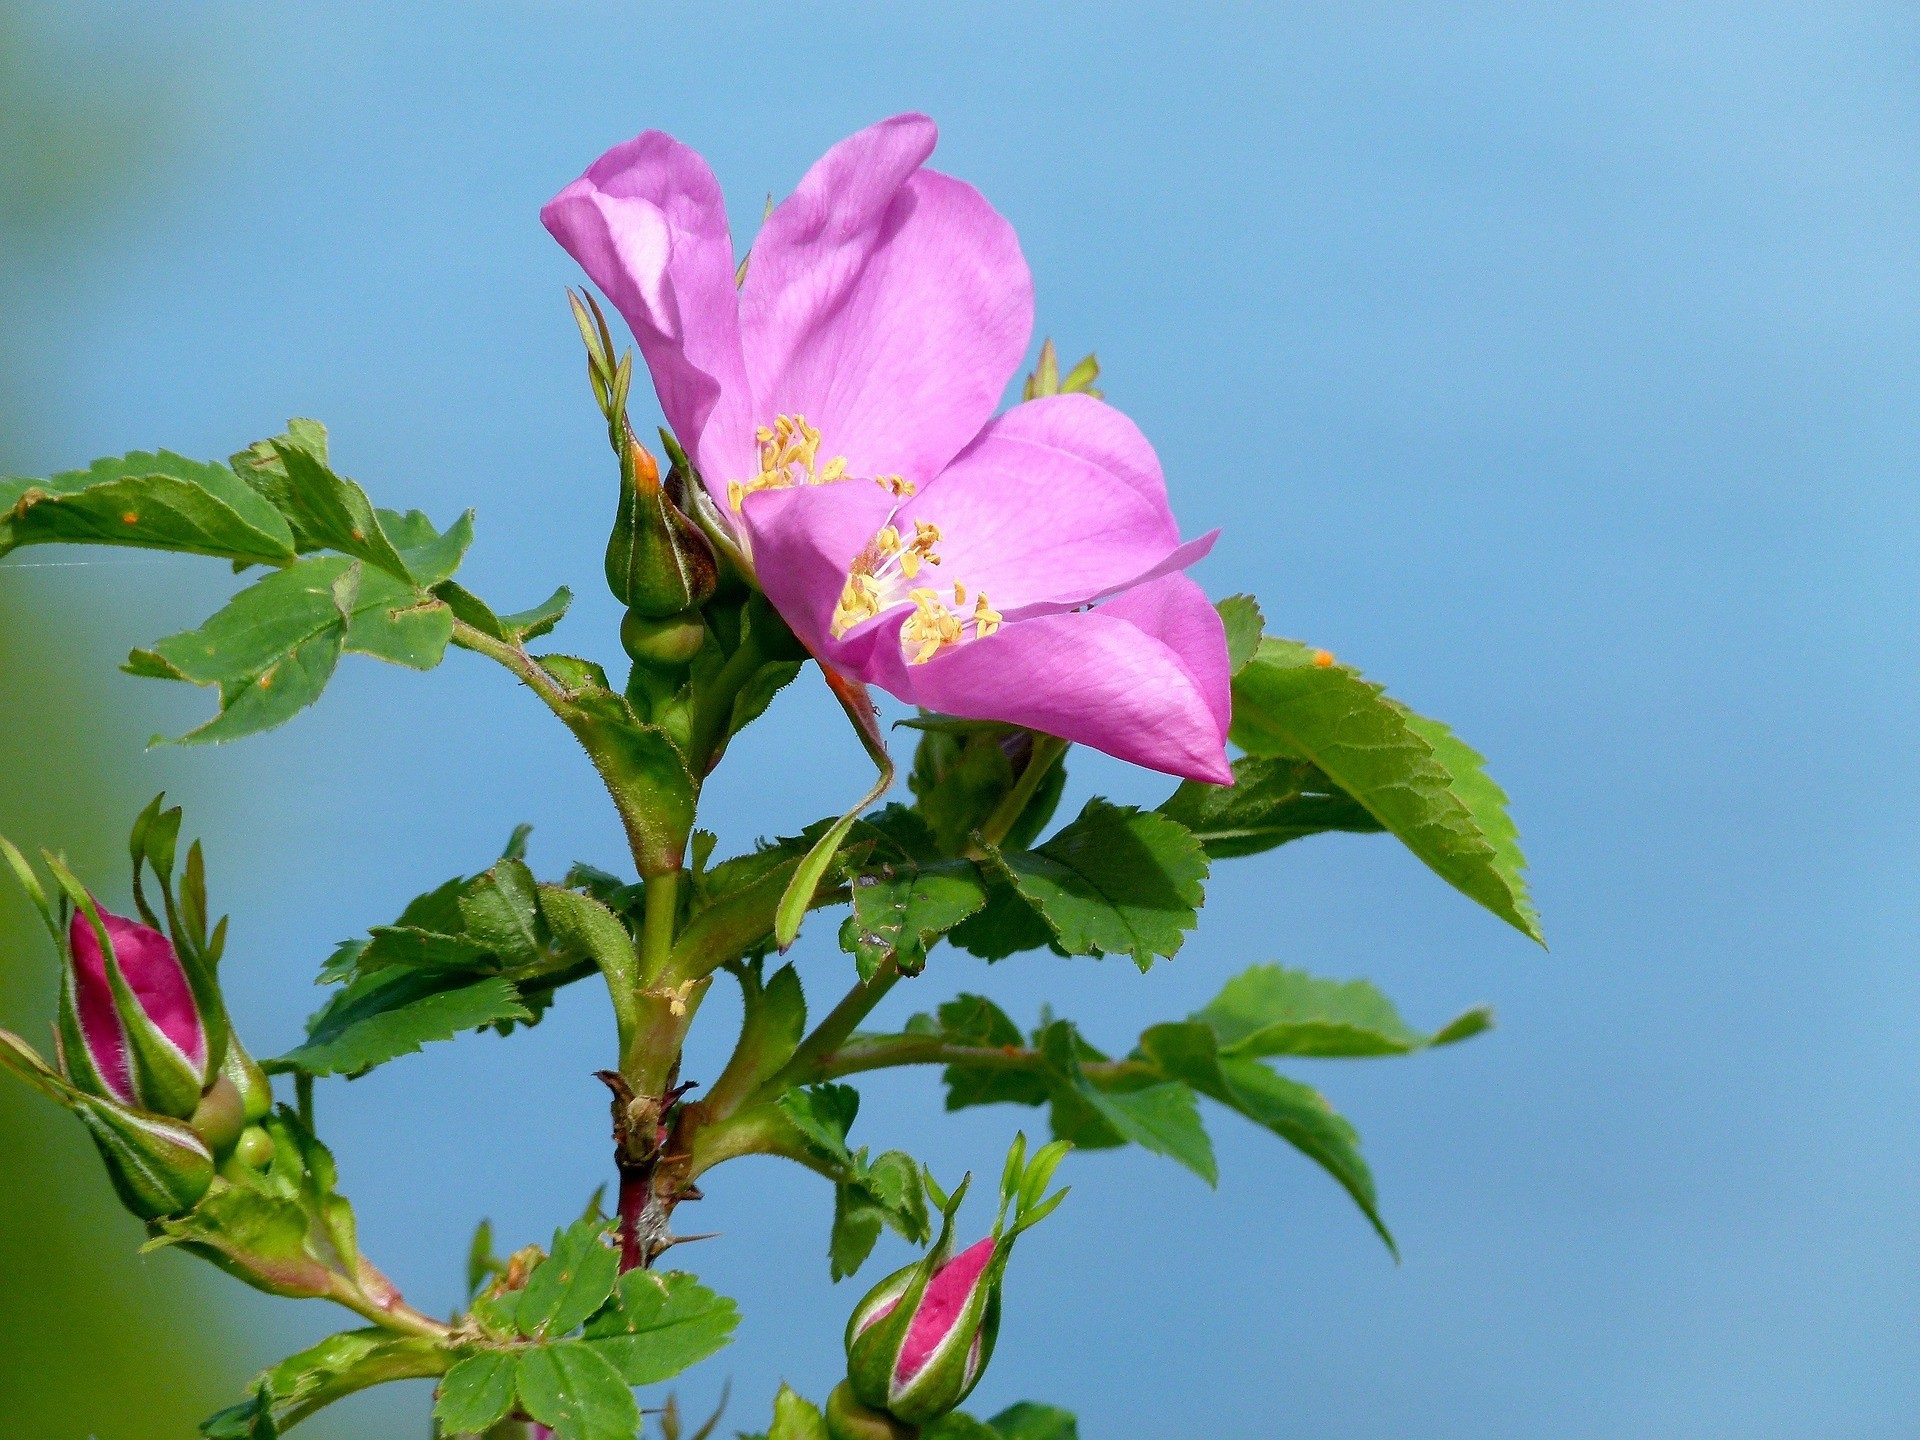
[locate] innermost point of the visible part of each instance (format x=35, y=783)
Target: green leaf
x=337, y=1367
x=958, y=1425
x=160, y=501
x=1005, y=925
x=393, y=1012
x=325, y=510
x=660, y=1323
x=500, y=913
x=1115, y=881
x=886, y=1193
x=570, y=1284
x=823, y=1114
x=477, y=1393
x=1411, y=774
x=906, y=896
x=1028, y=1421
x=273, y=647
x=575, y=1391
x=1241, y=615
x=1297, y=1113
x=270, y=651
x=796, y=1418
x=1272, y=800
x=1271, y=1010
x=481, y=1261
x=1162, y=1118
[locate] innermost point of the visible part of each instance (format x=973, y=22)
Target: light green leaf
x=823, y=1114
x=796, y=1418
x=500, y=913
x=1115, y=881
x=337, y=1367
x=477, y=1393
x=643, y=769
x=1162, y=1118
x=1028, y=1421
x=517, y=628
x=1241, y=615
x=1411, y=774
x=1271, y=1010
x=325, y=510
x=887, y=1192
x=575, y=1391
x=1297, y=1113
x=570, y=1284
x=393, y=1012
x=159, y=501
x=660, y=1323
x=1272, y=800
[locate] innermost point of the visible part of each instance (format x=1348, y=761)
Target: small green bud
x=673, y=640
x=658, y=561
x=221, y=1117
x=255, y=1150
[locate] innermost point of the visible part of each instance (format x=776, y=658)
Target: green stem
x=1047, y=750
x=659, y=913
x=714, y=708
x=882, y=1052
x=832, y=1032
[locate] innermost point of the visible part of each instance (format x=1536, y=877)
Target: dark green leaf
x=394, y=1012
x=570, y=1284
x=476, y=1393
x=1005, y=925
x=976, y=1022
x=659, y=1324
x=1115, y=881
x=500, y=912
x=575, y=1391
x=1272, y=800
x=160, y=501
x=1271, y=1010
x=1411, y=774
x=645, y=772
x=905, y=896
x=270, y=651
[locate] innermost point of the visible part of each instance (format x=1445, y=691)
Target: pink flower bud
x=130, y=1027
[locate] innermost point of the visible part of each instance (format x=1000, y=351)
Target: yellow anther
x=986, y=619
x=959, y=593
x=887, y=542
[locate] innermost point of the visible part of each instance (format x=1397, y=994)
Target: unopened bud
x=658, y=561
x=921, y=1339
x=130, y=1028
x=158, y=1166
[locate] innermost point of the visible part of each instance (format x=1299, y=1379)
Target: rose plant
x=841, y=490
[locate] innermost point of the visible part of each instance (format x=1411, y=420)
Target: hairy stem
x=883, y=1052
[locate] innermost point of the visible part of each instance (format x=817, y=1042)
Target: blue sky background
x=1563, y=372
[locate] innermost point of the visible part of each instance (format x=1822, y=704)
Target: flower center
x=879, y=579
x=790, y=455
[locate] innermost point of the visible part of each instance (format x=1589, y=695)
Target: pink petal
x=1176, y=612
x=1049, y=506
x=153, y=972
x=888, y=304
x=648, y=225
x=804, y=543
x=1105, y=677
x=945, y=1297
